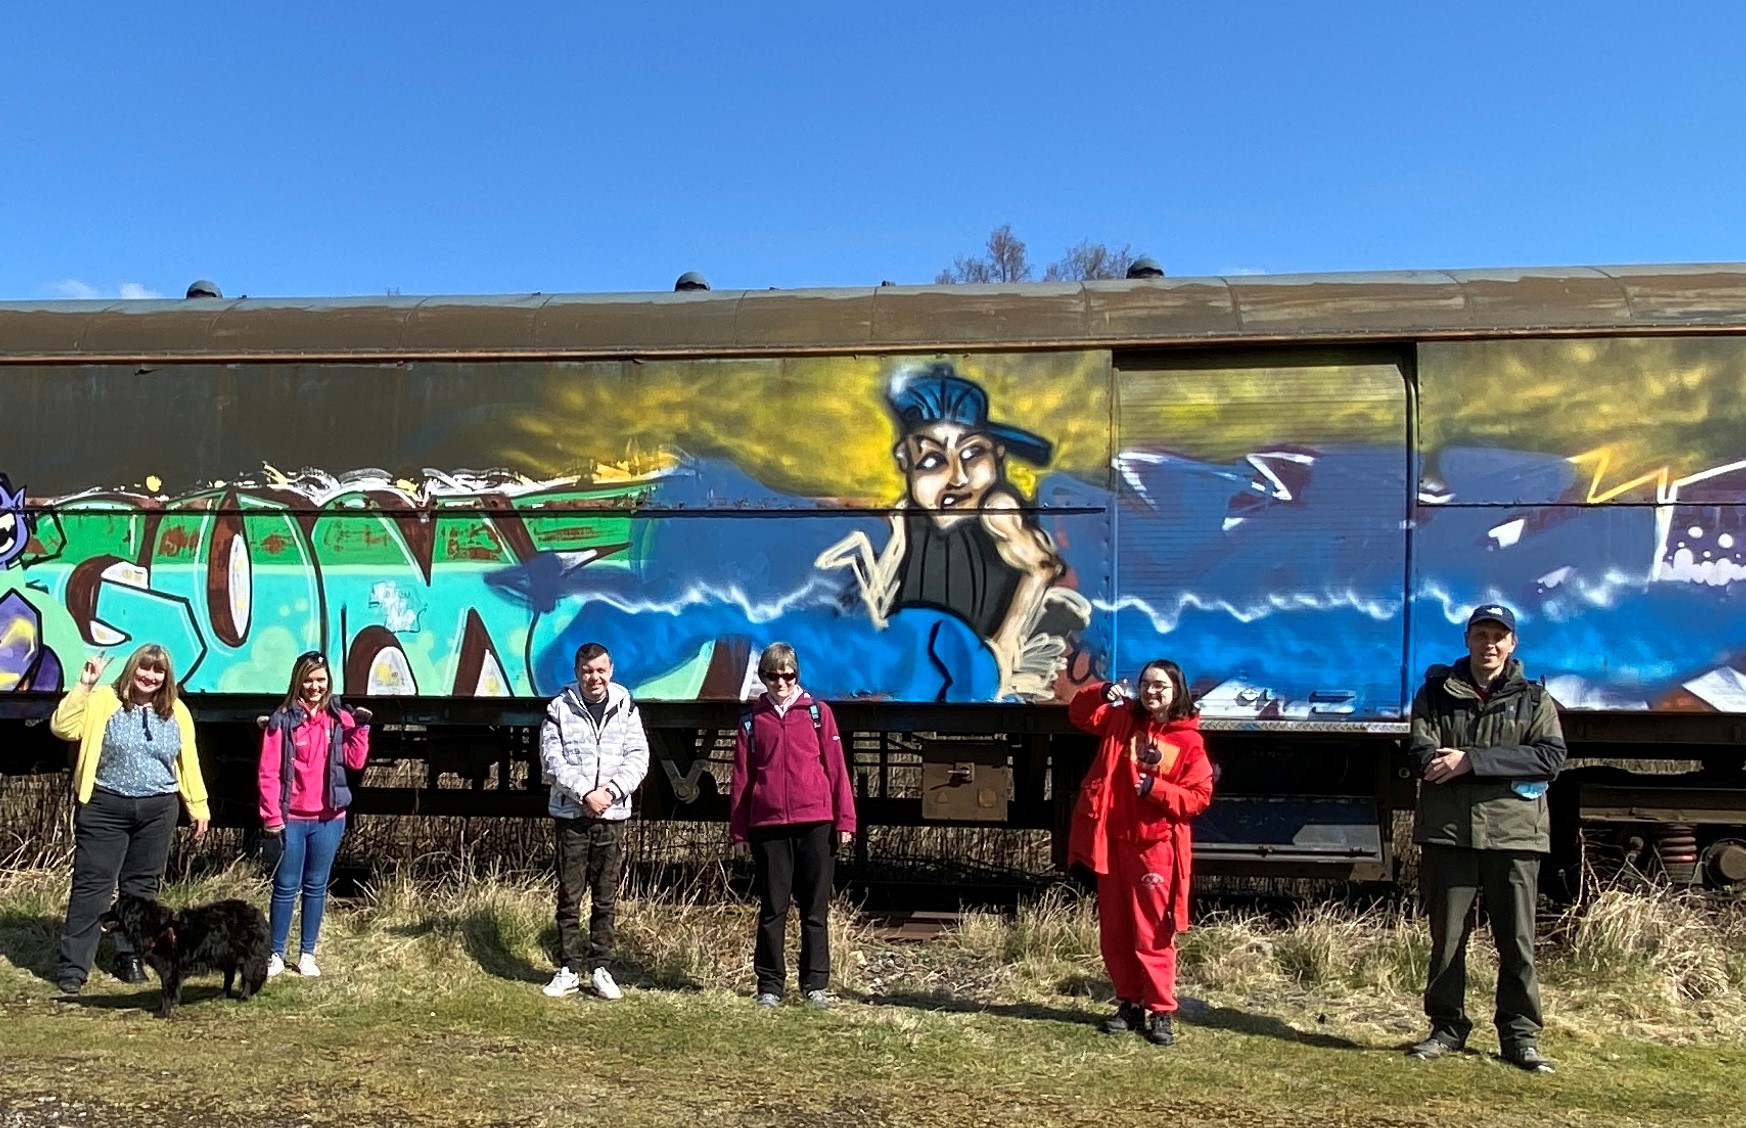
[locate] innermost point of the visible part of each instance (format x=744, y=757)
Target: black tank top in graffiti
x=957, y=569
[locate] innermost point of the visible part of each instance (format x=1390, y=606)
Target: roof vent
x=201, y=288
x=691, y=280
x=1145, y=267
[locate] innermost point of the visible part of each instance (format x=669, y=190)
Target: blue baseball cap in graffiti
x=1494, y=612
x=937, y=393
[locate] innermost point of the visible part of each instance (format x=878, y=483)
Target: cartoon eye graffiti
x=15, y=522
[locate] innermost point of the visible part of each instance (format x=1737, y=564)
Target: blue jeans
x=310, y=846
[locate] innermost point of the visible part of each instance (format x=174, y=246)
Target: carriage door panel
x=1261, y=530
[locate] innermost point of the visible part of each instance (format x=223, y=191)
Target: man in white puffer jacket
x=595, y=753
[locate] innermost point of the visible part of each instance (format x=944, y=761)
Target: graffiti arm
x=1029, y=550
x=876, y=573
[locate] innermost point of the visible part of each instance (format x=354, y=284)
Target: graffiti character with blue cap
x=1487, y=743
x=961, y=538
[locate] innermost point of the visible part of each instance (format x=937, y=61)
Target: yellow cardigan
x=83, y=715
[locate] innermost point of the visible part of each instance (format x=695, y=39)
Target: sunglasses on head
x=312, y=656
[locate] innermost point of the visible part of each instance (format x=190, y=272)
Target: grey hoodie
x=578, y=756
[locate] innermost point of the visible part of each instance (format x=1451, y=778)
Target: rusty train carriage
x=959, y=502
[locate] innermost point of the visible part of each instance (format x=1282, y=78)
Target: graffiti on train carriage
x=928, y=528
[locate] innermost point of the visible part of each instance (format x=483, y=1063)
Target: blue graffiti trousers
x=310, y=846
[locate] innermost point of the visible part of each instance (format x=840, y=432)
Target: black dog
x=227, y=936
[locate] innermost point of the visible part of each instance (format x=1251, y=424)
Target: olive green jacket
x=1513, y=742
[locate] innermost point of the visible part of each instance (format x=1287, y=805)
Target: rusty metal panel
x=806, y=319
x=966, y=781
x=1705, y=805
x=468, y=324
x=46, y=327
x=1170, y=308
x=365, y=325
x=1699, y=294
x=1314, y=305
x=979, y=315
x=699, y=321
x=1544, y=298
x=149, y=328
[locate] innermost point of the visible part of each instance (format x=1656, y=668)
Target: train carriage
x=959, y=503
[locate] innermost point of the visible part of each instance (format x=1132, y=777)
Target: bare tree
x=1090, y=260
x=1003, y=260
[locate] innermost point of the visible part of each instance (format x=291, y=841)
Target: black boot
x=1158, y=1029
x=128, y=968
x=1128, y=1016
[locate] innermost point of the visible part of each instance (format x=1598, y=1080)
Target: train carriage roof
x=1257, y=309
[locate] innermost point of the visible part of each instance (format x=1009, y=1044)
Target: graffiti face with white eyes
x=950, y=469
x=14, y=532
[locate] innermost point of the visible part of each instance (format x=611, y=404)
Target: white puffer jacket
x=578, y=756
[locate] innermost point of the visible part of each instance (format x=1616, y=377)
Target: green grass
x=430, y=1014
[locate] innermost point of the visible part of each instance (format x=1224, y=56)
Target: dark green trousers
x=1451, y=879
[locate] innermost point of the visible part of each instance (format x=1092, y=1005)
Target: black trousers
x=116, y=841
x=590, y=857
x=793, y=863
x=1452, y=878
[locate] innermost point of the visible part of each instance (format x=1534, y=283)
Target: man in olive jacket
x=1487, y=744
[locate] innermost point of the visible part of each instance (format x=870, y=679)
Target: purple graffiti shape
x=25, y=662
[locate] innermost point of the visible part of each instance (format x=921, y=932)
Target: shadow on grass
x=481, y=935
x=146, y=998
x=31, y=942
x=1194, y=1012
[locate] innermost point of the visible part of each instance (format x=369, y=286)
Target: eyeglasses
x=779, y=675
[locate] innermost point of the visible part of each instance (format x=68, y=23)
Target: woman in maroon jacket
x=791, y=808
x=1130, y=827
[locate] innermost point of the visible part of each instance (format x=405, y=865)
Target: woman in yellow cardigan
x=135, y=758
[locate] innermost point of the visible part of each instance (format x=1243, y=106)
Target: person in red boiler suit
x=1130, y=827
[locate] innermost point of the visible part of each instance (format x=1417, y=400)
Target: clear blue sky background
x=351, y=148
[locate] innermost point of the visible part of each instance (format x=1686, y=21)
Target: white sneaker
x=566, y=982
x=275, y=965
x=306, y=966
x=604, y=985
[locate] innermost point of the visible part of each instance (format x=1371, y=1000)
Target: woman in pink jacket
x=791, y=809
x=311, y=742
x=1130, y=827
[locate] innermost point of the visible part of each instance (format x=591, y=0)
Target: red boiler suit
x=1140, y=848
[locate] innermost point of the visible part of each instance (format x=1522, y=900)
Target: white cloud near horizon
x=83, y=291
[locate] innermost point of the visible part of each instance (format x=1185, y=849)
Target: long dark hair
x=1182, y=706
x=300, y=669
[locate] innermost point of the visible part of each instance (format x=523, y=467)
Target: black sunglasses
x=779, y=675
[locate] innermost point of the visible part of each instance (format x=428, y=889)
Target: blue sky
x=356, y=148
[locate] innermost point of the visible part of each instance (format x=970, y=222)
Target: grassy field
x=430, y=1014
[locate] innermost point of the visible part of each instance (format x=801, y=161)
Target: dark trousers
x=590, y=854
x=1452, y=879
x=793, y=863
x=116, y=840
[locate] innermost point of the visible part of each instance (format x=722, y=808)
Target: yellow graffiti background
x=1632, y=411
x=813, y=426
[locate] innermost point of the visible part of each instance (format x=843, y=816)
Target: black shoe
x=1158, y=1029
x=1432, y=1048
x=1529, y=1058
x=1128, y=1017
x=129, y=969
x=70, y=986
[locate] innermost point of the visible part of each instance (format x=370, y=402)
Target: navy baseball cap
x=1496, y=612
x=937, y=393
